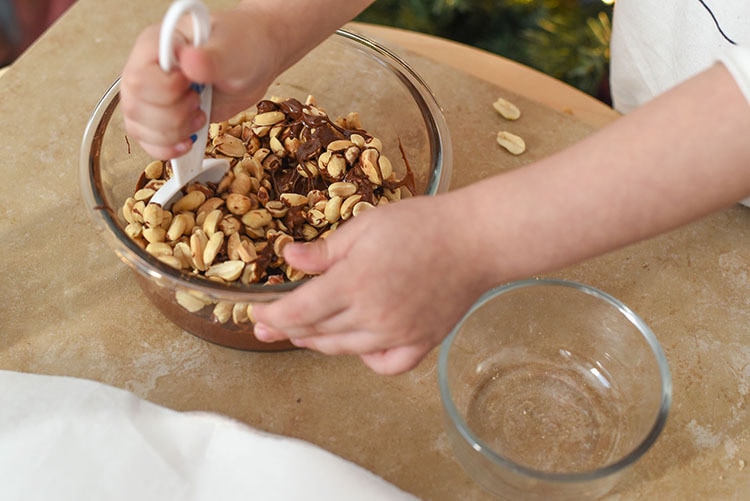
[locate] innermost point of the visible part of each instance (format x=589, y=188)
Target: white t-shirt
x=657, y=44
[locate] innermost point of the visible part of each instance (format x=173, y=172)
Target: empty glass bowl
x=346, y=73
x=551, y=389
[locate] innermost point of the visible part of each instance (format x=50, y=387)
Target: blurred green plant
x=566, y=39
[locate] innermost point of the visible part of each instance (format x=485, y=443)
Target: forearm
x=299, y=25
x=678, y=158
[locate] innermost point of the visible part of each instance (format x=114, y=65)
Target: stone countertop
x=70, y=307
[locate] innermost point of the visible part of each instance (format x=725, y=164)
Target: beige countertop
x=70, y=307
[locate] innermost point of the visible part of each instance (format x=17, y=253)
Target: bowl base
x=235, y=336
x=548, y=416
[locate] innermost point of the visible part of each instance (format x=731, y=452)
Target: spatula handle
x=189, y=165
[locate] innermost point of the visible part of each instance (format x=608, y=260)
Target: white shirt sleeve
x=737, y=61
x=657, y=45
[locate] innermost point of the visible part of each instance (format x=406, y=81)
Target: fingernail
x=183, y=146
x=193, y=138
x=197, y=87
x=261, y=332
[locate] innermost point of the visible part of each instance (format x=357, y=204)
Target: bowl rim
x=567, y=478
x=129, y=252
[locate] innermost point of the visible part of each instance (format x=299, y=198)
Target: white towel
x=72, y=439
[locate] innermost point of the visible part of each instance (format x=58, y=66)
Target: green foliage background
x=567, y=39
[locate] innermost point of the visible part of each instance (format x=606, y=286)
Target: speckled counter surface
x=68, y=306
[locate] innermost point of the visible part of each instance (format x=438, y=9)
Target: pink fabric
x=56, y=9
x=35, y=16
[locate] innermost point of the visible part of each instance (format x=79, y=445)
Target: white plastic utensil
x=192, y=166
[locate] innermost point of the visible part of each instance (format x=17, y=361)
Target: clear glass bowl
x=551, y=389
x=346, y=73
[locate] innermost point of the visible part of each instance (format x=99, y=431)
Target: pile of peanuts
x=294, y=174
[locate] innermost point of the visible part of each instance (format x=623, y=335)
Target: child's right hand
x=161, y=110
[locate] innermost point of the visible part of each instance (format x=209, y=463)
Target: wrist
x=465, y=240
x=294, y=27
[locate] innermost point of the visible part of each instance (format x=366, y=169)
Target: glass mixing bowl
x=552, y=389
x=346, y=73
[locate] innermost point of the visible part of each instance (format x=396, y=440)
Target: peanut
x=511, y=142
x=506, y=109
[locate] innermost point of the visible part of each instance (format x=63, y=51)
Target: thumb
x=310, y=257
x=198, y=64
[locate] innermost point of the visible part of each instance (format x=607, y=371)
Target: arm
x=249, y=46
x=680, y=157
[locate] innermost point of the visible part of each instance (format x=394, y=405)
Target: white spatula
x=192, y=166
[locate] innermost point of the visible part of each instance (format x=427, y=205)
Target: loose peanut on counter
x=294, y=174
x=511, y=142
x=506, y=109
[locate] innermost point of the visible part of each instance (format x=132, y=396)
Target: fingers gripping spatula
x=192, y=166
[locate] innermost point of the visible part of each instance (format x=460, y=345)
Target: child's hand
x=394, y=283
x=161, y=109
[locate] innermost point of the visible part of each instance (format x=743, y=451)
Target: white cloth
x=658, y=44
x=67, y=439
